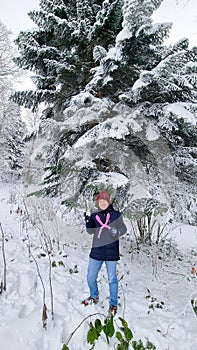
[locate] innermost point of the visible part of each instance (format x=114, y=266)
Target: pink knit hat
x=103, y=195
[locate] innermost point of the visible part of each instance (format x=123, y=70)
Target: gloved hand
x=114, y=231
x=87, y=216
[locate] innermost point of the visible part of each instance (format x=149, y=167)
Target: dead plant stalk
x=4, y=258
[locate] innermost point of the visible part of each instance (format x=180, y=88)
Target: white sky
x=183, y=14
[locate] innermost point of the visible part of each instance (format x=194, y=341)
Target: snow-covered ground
x=155, y=290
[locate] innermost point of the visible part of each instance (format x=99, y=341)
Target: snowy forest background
x=112, y=107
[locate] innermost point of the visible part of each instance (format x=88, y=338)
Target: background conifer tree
x=60, y=50
x=104, y=72
x=11, y=126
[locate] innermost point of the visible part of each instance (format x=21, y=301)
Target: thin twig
x=79, y=325
x=47, y=246
x=124, y=302
x=46, y=240
x=39, y=274
x=135, y=235
x=164, y=334
x=51, y=287
x=4, y=257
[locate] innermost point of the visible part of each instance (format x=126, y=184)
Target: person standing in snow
x=107, y=226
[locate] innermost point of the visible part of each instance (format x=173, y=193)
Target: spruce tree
x=172, y=80
x=139, y=46
x=104, y=47
x=60, y=50
x=121, y=94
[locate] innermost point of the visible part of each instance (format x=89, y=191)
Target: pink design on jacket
x=103, y=225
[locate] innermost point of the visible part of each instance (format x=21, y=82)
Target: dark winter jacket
x=106, y=226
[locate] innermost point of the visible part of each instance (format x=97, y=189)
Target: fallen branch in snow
x=3, y=284
x=167, y=331
x=177, y=273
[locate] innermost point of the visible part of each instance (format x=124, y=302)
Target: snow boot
x=112, y=310
x=90, y=301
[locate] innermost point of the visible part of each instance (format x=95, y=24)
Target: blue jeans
x=93, y=271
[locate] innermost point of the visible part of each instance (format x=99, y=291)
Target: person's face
x=103, y=204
